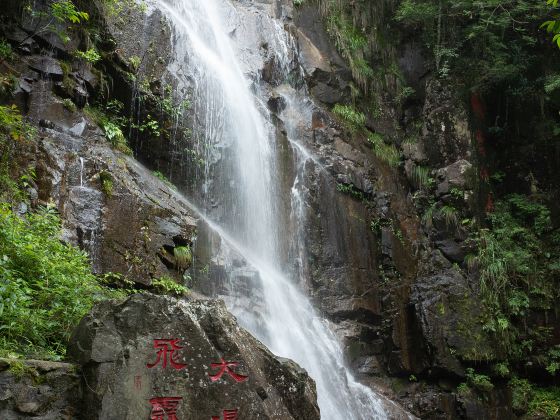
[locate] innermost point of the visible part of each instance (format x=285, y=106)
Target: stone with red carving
x=226, y=367
x=166, y=352
x=164, y=406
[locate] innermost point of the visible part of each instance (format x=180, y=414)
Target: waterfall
x=81, y=171
x=216, y=60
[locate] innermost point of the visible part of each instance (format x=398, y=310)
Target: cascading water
x=244, y=199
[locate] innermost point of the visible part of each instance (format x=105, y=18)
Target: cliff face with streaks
x=430, y=235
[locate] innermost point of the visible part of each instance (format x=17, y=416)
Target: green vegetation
x=350, y=40
x=8, y=84
x=46, y=286
x=350, y=190
x=112, y=123
x=6, y=52
x=553, y=26
x=183, y=257
x=388, y=153
x=476, y=384
x=14, y=133
x=150, y=126
x=355, y=120
x=535, y=401
x=91, y=55
x=135, y=62
x=167, y=286
x=518, y=264
x=65, y=11
x=421, y=178
x=69, y=105
x=495, y=38
x=106, y=183
x=163, y=178
x=60, y=12
x=12, y=124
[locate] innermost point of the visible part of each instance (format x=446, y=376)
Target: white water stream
x=231, y=121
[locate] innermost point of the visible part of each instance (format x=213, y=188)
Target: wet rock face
x=123, y=349
x=450, y=321
x=446, y=136
x=327, y=74
x=39, y=390
x=125, y=218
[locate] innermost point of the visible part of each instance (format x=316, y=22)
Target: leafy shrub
x=535, y=401
x=478, y=381
x=6, y=52
x=545, y=403
x=65, y=11
x=150, y=126
x=135, y=62
x=13, y=125
x=111, y=125
x=167, y=286
x=46, y=286
x=502, y=370
x=13, y=132
x=91, y=55
x=113, y=133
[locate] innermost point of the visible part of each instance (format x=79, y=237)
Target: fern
x=421, y=177
x=388, y=153
x=183, y=256
x=449, y=214
x=354, y=119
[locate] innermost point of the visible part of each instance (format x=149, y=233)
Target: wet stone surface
x=154, y=354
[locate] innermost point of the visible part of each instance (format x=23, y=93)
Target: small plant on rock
x=91, y=55
x=167, y=286
x=183, y=256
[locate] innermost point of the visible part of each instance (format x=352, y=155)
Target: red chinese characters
x=225, y=367
x=166, y=352
x=228, y=415
x=164, y=406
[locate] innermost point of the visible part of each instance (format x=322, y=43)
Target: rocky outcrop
x=389, y=286
x=39, y=389
x=128, y=220
x=151, y=347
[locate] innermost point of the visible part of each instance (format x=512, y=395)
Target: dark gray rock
x=446, y=136
x=277, y=104
x=453, y=176
x=38, y=389
x=450, y=317
x=452, y=250
x=327, y=94
x=47, y=66
x=115, y=345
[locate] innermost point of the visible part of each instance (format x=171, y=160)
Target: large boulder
x=130, y=366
